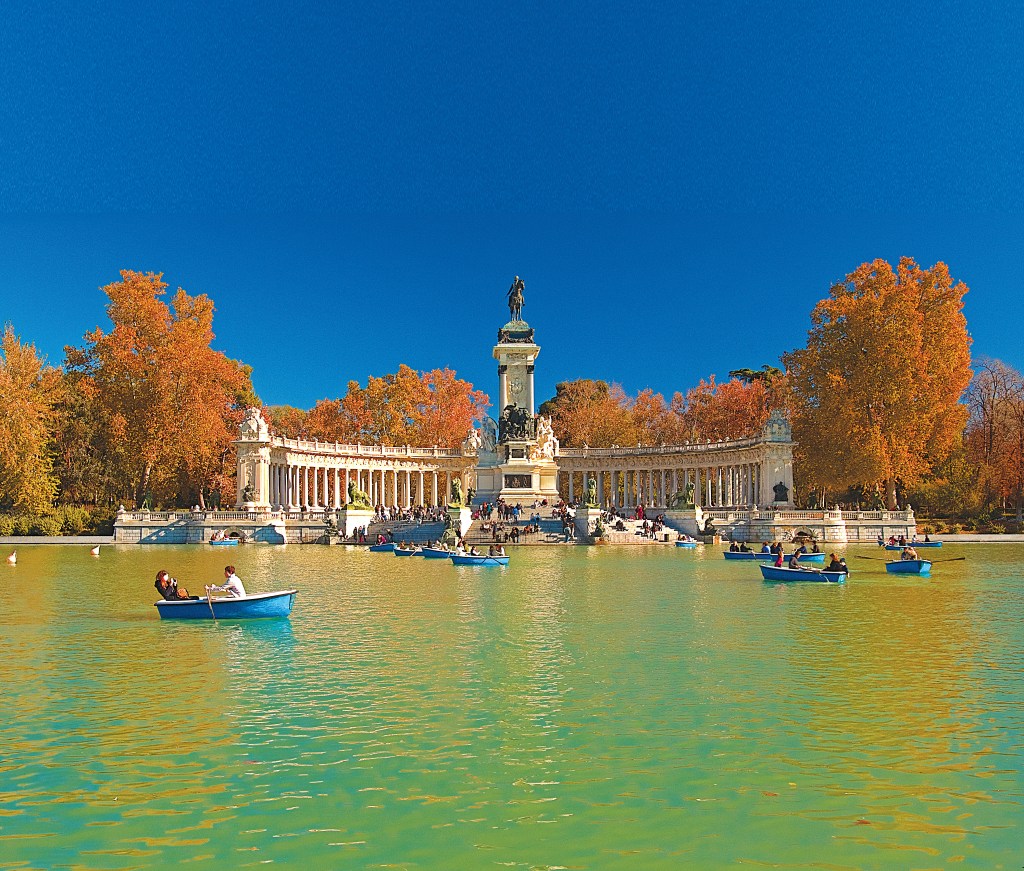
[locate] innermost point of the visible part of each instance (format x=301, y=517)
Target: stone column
x=572, y=489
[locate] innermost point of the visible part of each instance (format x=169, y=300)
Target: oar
x=875, y=558
x=209, y=601
x=952, y=559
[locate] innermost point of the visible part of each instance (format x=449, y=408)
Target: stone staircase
x=406, y=530
x=550, y=533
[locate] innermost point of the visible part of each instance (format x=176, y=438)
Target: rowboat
x=406, y=551
x=465, y=559
x=771, y=573
x=278, y=604
x=224, y=542
x=690, y=544
x=436, y=552
x=386, y=547
x=908, y=567
x=770, y=557
x=914, y=544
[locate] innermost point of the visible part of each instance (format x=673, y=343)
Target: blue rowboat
x=387, y=547
x=914, y=544
x=277, y=604
x=771, y=573
x=690, y=544
x=406, y=551
x=908, y=567
x=808, y=558
x=748, y=555
x=465, y=559
x=225, y=542
x=436, y=552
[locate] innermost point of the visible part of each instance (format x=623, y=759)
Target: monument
x=524, y=468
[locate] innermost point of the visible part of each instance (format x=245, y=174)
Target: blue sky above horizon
x=356, y=186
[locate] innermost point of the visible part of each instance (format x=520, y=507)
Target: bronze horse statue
x=516, y=298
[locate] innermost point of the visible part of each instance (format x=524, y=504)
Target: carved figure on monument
x=358, y=498
x=473, y=441
x=456, y=500
x=590, y=498
x=513, y=423
x=488, y=436
x=679, y=499
x=516, y=298
x=781, y=492
x=547, y=444
x=248, y=495
x=254, y=426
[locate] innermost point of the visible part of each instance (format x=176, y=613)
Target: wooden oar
x=952, y=559
x=209, y=601
x=875, y=558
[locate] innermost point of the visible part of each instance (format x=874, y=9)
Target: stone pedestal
x=584, y=522
x=684, y=520
x=461, y=517
x=350, y=519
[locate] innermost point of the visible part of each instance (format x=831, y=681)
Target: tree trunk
x=890, y=494
x=140, y=494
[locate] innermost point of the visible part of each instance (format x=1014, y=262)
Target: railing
x=359, y=450
x=659, y=450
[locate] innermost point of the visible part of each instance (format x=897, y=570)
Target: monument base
x=461, y=517
x=584, y=522
x=525, y=481
x=350, y=519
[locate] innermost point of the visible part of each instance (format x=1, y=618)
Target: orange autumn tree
x=593, y=413
x=731, y=410
x=876, y=391
x=168, y=405
x=994, y=438
x=29, y=390
x=403, y=408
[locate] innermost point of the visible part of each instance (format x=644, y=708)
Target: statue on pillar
x=516, y=298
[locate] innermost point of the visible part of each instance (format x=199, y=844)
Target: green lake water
x=583, y=708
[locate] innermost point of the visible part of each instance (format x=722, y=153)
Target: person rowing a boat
x=232, y=584
x=834, y=564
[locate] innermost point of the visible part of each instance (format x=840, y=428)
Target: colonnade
x=299, y=484
x=719, y=486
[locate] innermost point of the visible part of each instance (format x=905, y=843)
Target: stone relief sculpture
x=547, y=444
x=253, y=425
x=516, y=298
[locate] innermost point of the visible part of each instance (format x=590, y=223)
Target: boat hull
x=917, y=545
x=435, y=553
x=687, y=544
x=787, y=575
x=398, y=551
x=817, y=558
x=908, y=567
x=225, y=542
x=387, y=547
x=256, y=606
x=483, y=560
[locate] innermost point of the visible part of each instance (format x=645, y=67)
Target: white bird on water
x=95, y=551
x=13, y=558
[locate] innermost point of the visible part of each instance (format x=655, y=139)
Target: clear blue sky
x=355, y=186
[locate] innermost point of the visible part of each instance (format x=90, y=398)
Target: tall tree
x=995, y=431
x=731, y=410
x=587, y=412
x=169, y=404
x=876, y=391
x=29, y=390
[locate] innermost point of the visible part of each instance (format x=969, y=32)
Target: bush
x=997, y=528
x=6, y=524
x=44, y=525
x=73, y=520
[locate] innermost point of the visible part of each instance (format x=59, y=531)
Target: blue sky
x=355, y=186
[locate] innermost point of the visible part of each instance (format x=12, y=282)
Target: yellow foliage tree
x=28, y=391
x=876, y=391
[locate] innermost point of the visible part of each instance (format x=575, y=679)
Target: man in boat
x=908, y=553
x=232, y=584
x=794, y=560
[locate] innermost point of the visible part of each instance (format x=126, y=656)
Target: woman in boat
x=167, y=587
x=778, y=560
x=834, y=565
